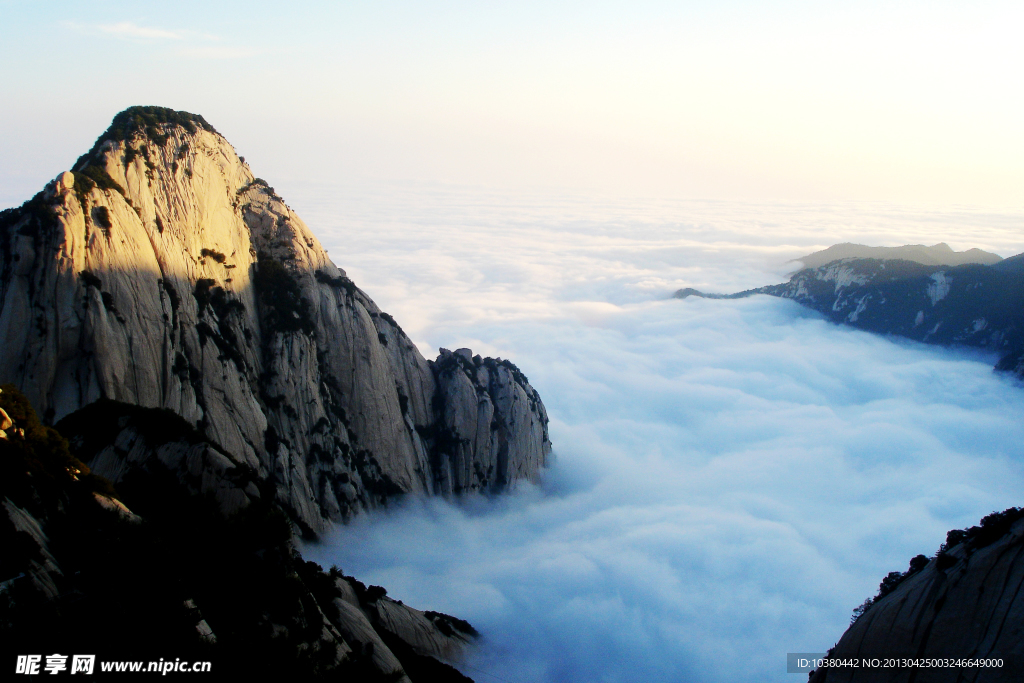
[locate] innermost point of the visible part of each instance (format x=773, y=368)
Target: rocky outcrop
x=965, y=603
x=969, y=305
x=79, y=564
x=121, y=440
x=159, y=272
x=396, y=636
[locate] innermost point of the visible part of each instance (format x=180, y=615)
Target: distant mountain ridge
x=975, y=305
x=940, y=254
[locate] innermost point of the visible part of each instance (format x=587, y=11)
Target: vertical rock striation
x=160, y=272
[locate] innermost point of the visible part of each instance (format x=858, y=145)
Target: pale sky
x=794, y=101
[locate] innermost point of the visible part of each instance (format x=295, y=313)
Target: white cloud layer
x=732, y=477
x=128, y=29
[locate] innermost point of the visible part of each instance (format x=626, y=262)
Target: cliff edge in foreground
x=966, y=603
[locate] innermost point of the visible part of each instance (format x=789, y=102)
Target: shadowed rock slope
x=971, y=305
x=965, y=603
x=159, y=272
x=155, y=568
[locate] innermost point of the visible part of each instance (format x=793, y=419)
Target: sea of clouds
x=730, y=478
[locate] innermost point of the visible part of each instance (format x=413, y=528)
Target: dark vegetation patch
x=180, y=366
x=108, y=303
x=517, y=374
x=447, y=624
x=215, y=255
x=130, y=153
x=272, y=440
x=42, y=453
x=448, y=363
x=38, y=474
x=90, y=280
x=226, y=345
x=101, y=217
x=36, y=218
x=278, y=403
x=282, y=305
x=375, y=480
x=992, y=528
x=403, y=401
x=391, y=321
x=91, y=428
x=889, y=584
x=201, y=293
x=442, y=441
x=172, y=294
x=260, y=182
x=88, y=177
x=337, y=282
x=367, y=595
x=223, y=305
x=150, y=122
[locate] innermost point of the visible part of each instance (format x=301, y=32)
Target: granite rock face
x=160, y=272
x=965, y=603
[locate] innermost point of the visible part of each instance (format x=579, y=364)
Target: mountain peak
x=161, y=273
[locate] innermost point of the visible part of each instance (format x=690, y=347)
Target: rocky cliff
x=159, y=272
x=157, y=567
x=972, y=305
x=966, y=602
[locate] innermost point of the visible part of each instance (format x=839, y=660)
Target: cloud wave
x=732, y=477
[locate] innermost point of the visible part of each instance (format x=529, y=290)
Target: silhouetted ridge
x=964, y=603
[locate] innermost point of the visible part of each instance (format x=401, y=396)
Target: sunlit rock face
x=973, y=305
x=966, y=603
x=160, y=272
